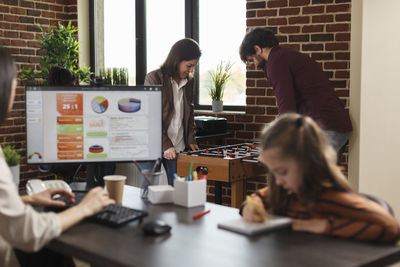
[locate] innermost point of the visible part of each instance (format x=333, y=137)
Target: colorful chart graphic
x=33, y=154
x=70, y=104
x=96, y=149
x=129, y=105
x=99, y=104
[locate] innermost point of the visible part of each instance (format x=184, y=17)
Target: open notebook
x=249, y=228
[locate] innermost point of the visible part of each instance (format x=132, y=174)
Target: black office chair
x=381, y=202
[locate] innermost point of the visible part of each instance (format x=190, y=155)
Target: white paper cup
x=115, y=186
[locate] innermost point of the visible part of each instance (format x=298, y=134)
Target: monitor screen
x=83, y=124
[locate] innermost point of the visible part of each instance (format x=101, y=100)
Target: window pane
x=222, y=28
x=165, y=25
x=119, y=36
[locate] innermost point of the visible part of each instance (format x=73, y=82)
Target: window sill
x=224, y=112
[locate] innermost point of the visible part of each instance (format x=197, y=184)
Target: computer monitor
x=83, y=124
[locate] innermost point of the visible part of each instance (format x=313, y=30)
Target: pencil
x=258, y=209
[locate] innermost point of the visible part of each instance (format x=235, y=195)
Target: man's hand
x=170, y=153
x=194, y=147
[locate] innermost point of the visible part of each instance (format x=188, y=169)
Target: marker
x=190, y=168
x=176, y=176
x=198, y=215
x=195, y=177
x=258, y=209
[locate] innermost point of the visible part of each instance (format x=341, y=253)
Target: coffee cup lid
x=114, y=177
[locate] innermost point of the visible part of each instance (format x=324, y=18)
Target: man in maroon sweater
x=299, y=83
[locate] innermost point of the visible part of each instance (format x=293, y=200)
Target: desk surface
x=201, y=243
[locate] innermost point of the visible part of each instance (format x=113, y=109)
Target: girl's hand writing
x=251, y=213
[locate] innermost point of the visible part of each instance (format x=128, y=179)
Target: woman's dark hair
x=185, y=49
x=300, y=138
x=60, y=76
x=8, y=71
x=261, y=37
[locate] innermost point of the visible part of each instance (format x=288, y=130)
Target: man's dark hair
x=61, y=76
x=261, y=37
x=185, y=49
x=8, y=71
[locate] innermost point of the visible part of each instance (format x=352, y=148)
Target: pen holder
x=147, y=179
x=190, y=193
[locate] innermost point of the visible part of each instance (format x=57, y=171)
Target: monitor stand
x=94, y=175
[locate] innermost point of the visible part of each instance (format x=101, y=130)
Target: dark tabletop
x=200, y=243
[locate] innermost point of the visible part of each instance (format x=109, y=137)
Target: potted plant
x=219, y=78
x=12, y=158
x=59, y=46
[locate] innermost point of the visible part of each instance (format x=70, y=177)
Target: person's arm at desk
x=94, y=201
x=349, y=215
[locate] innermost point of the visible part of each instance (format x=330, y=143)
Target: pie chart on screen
x=99, y=104
x=129, y=105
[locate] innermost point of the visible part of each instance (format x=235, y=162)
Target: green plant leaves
x=58, y=47
x=219, y=77
x=11, y=155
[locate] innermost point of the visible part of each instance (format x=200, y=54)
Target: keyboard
x=113, y=215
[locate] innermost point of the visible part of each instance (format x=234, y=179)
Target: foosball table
x=232, y=164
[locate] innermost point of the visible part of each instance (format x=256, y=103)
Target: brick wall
x=18, y=33
x=319, y=28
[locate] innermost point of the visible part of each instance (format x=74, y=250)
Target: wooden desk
x=201, y=243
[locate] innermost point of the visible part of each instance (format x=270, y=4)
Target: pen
x=258, y=209
x=198, y=215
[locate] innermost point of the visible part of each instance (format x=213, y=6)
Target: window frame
x=191, y=31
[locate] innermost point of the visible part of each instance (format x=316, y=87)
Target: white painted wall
x=83, y=33
x=375, y=76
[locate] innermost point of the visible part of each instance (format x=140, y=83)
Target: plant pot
x=15, y=174
x=217, y=105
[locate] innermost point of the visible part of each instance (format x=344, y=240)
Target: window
x=139, y=34
x=119, y=36
x=221, y=32
x=165, y=25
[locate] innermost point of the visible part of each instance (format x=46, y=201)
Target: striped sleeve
x=352, y=216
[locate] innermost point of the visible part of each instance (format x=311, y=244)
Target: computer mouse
x=156, y=228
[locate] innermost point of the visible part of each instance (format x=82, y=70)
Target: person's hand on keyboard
x=95, y=200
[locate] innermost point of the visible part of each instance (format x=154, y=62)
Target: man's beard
x=262, y=62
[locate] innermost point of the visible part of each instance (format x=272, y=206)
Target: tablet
x=251, y=228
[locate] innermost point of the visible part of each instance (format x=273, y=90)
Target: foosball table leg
x=237, y=193
x=218, y=192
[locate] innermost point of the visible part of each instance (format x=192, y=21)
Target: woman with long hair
x=176, y=76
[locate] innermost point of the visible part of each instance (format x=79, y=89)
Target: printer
x=207, y=125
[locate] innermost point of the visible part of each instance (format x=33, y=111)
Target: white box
x=160, y=194
x=190, y=193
